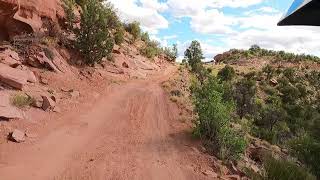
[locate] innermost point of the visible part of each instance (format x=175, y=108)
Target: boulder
x=40, y=60
x=17, y=136
x=9, y=57
x=27, y=16
x=7, y=111
x=48, y=103
x=14, y=77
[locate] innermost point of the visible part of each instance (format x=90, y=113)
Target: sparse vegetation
x=134, y=29
x=171, y=53
x=93, y=38
x=151, y=49
x=21, y=100
x=256, y=52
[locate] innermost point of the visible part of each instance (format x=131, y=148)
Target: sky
x=219, y=25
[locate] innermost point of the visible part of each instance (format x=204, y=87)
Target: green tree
x=244, y=95
x=227, y=73
x=93, y=39
x=194, y=55
x=214, y=122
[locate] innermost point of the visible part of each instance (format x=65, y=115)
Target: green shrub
x=227, y=73
x=214, y=122
x=145, y=37
x=276, y=169
x=119, y=35
x=134, y=29
x=68, y=6
x=21, y=100
x=93, y=39
x=307, y=149
x=151, y=49
x=171, y=53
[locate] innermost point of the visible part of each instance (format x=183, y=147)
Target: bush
x=145, y=37
x=68, y=6
x=134, y=29
x=307, y=150
x=227, y=73
x=151, y=49
x=119, y=35
x=276, y=169
x=21, y=100
x=93, y=38
x=214, y=122
x=171, y=53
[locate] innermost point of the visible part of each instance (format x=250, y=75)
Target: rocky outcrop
x=15, y=78
x=27, y=16
x=9, y=57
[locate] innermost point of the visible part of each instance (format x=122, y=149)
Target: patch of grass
x=21, y=100
x=49, y=41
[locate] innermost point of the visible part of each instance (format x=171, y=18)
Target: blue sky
x=219, y=24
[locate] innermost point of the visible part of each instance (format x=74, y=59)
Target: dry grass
x=21, y=100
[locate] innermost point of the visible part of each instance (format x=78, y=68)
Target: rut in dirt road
x=128, y=134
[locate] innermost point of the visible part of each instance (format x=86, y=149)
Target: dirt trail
x=130, y=133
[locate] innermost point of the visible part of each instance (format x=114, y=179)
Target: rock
x=41, y=60
x=44, y=80
x=38, y=101
x=60, y=62
x=48, y=103
x=210, y=173
x=9, y=57
x=17, y=136
x=18, y=17
x=13, y=77
x=125, y=65
x=31, y=77
x=7, y=111
x=74, y=94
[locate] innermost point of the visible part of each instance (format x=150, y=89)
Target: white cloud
x=212, y=21
x=148, y=14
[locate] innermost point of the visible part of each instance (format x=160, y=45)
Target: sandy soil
x=131, y=132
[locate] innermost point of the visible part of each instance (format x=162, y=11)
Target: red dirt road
x=131, y=133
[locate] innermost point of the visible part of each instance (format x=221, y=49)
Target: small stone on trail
x=17, y=136
x=48, y=103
